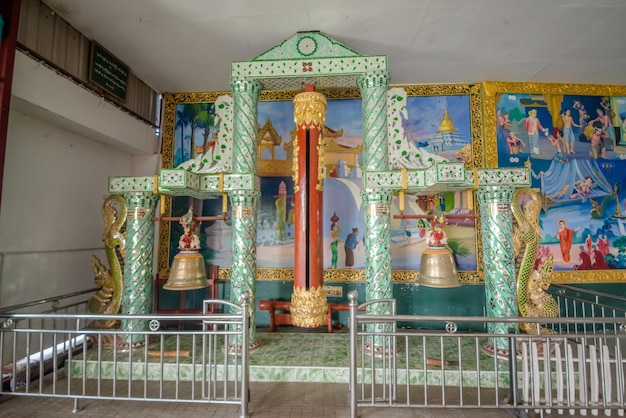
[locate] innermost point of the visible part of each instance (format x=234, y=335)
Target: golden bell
x=187, y=272
x=438, y=268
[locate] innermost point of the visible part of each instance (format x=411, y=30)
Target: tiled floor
x=314, y=356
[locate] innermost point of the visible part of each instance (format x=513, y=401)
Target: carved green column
x=374, y=102
x=244, y=203
x=137, y=282
x=245, y=114
x=243, y=269
x=499, y=264
x=378, y=243
x=378, y=283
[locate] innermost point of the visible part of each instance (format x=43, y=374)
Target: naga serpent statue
x=532, y=280
x=110, y=284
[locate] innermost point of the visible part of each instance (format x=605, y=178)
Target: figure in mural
x=505, y=127
x=582, y=117
x=560, y=145
x=407, y=231
x=605, y=103
x=499, y=118
x=291, y=215
x=351, y=242
x=603, y=244
x=568, y=133
x=588, y=243
x=606, y=128
x=598, y=259
x=585, y=259
x=533, y=127
x=514, y=143
x=334, y=242
x=279, y=226
x=598, y=150
x=566, y=238
x=582, y=187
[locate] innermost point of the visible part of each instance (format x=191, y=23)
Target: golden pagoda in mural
x=447, y=136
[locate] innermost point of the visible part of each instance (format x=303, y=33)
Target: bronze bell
x=187, y=272
x=438, y=268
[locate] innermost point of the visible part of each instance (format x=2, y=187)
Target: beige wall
x=63, y=144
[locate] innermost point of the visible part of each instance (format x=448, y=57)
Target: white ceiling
x=188, y=45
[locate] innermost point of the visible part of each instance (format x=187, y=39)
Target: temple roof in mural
x=308, y=58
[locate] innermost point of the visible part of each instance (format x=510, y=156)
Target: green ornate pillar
x=375, y=158
x=374, y=102
x=373, y=86
x=499, y=263
x=378, y=283
x=138, y=192
x=244, y=202
x=245, y=114
x=243, y=269
x=378, y=243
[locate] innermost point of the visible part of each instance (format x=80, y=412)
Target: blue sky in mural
x=340, y=114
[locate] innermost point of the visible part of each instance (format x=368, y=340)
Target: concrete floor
x=267, y=400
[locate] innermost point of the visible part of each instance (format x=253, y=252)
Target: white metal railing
x=570, y=365
x=205, y=359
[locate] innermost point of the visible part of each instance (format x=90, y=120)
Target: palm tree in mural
x=181, y=122
x=190, y=113
x=205, y=120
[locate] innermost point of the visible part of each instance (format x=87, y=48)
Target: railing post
x=245, y=351
x=353, y=297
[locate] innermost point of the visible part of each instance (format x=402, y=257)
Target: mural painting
x=438, y=125
x=575, y=146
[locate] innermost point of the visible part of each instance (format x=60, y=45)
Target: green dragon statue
x=532, y=281
x=110, y=284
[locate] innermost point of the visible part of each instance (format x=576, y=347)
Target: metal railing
x=576, y=302
x=205, y=359
x=74, y=302
x=570, y=365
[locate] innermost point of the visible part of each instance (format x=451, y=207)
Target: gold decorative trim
x=321, y=163
x=309, y=108
x=274, y=168
x=309, y=307
x=295, y=174
x=349, y=275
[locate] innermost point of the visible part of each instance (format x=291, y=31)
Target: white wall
x=59, y=156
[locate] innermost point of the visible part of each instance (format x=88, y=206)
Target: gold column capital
x=310, y=109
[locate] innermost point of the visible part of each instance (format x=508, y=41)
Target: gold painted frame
x=171, y=100
x=491, y=92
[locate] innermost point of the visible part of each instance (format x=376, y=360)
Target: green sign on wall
x=107, y=72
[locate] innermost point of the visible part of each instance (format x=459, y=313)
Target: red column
x=308, y=302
